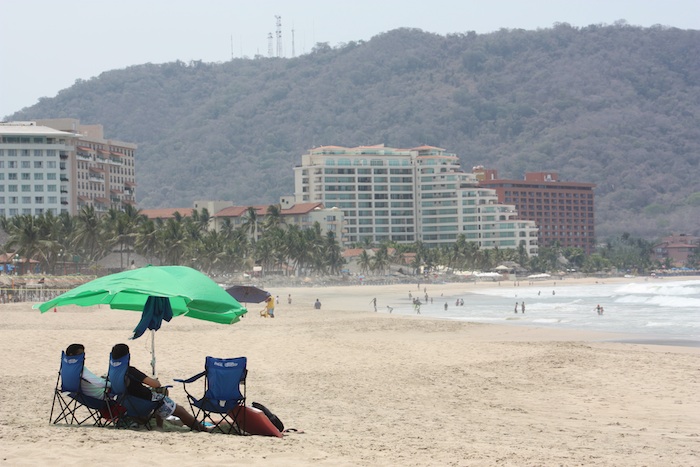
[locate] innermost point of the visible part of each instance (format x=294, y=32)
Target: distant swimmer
x=522, y=307
x=516, y=308
x=599, y=309
x=389, y=309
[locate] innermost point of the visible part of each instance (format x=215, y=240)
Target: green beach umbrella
x=174, y=291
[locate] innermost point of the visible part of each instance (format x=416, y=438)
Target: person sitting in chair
x=144, y=387
x=90, y=384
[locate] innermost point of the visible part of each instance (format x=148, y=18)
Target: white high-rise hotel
x=60, y=166
x=408, y=195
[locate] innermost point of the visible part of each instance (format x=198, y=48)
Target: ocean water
x=655, y=309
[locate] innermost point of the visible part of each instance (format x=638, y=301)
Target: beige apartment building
x=58, y=166
x=104, y=173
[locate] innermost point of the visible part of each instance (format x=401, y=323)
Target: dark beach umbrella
x=248, y=293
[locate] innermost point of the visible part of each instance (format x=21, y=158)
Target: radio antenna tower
x=278, y=33
x=293, y=51
x=269, y=44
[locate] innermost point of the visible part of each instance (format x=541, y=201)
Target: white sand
x=367, y=389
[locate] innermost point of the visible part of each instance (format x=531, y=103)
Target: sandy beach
x=367, y=388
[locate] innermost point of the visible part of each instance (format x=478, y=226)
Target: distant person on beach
x=91, y=385
x=270, y=306
x=416, y=305
x=289, y=299
x=317, y=304
x=516, y=308
x=445, y=306
x=522, y=307
x=374, y=302
x=599, y=309
x=389, y=309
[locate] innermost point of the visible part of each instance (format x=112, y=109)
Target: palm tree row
x=179, y=240
x=272, y=244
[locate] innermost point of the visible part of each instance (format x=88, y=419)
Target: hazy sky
x=45, y=45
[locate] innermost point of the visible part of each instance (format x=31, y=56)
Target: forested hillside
x=613, y=105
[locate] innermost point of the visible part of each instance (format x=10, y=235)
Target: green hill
x=613, y=105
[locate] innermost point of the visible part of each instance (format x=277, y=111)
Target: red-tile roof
x=237, y=211
x=301, y=208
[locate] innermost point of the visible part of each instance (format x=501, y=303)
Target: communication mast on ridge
x=293, y=51
x=278, y=33
x=269, y=44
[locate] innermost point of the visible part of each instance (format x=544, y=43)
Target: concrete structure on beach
x=409, y=195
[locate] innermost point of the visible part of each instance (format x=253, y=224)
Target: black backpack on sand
x=273, y=418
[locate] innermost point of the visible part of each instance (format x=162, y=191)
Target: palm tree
x=250, y=222
x=364, y=261
x=146, y=240
x=273, y=217
x=334, y=260
x=122, y=227
x=381, y=260
x=201, y=219
x=88, y=233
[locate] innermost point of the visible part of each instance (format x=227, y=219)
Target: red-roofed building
x=677, y=249
x=564, y=211
x=304, y=215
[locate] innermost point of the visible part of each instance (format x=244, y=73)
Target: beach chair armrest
x=190, y=379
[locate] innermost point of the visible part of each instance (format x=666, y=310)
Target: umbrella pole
x=153, y=353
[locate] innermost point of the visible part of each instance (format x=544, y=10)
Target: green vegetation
x=279, y=248
x=176, y=241
x=613, y=105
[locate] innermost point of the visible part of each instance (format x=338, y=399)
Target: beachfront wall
x=408, y=195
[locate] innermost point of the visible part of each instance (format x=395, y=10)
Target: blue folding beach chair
x=133, y=410
x=224, y=394
x=74, y=407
